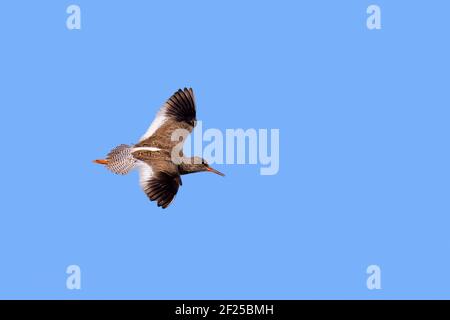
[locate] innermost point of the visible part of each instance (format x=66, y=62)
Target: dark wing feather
x=181, y=107
x=162, y=188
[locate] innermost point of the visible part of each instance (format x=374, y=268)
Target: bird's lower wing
x=159, y=186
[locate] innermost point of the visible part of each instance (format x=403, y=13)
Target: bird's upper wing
x=177, y=113
x=159, y=186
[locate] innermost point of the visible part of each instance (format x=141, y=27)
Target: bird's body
x=156, y=156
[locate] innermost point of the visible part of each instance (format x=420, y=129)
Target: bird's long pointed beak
x=100, y=161
x=215, y=171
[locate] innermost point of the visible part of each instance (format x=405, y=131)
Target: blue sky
x=364, y=161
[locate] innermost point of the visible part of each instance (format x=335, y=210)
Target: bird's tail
x=119, y=160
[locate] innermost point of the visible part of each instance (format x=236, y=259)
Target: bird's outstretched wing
x=177, y=113
x=159, y=186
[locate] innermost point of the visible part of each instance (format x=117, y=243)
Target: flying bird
x=153, y=156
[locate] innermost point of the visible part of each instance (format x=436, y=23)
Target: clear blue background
x=364, y=155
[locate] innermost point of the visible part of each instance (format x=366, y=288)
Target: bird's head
x=198, y=164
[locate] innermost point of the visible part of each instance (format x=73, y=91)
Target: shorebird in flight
x=159, y=174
